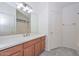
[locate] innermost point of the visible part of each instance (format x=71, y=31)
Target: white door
x=55, y=29
x=69, y=27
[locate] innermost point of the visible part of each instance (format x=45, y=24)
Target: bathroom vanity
x=17, y=22
x=32, y=46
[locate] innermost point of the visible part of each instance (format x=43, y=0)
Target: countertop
x=10, y=41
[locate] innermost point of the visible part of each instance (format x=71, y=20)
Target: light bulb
x=25, y=8
x=29, y=11
x=20, y=5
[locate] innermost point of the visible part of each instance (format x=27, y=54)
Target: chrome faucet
x=26, y=35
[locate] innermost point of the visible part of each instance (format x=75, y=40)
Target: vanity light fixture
x=24, y=7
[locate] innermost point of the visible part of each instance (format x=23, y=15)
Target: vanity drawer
x=29, y=43
x=32, y=42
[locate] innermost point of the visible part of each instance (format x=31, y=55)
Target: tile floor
x=61, y=51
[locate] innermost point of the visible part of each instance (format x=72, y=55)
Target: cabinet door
x=14, y=51
x=42, y=44
x=29, y=51
x=38, y=48
x=29, y=48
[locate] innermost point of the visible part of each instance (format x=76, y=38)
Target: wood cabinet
x=42, y=44
x=31, y=48
x=14, y=51
x=29, y=51
x=38, y=47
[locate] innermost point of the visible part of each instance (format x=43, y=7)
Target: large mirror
x=14, y=20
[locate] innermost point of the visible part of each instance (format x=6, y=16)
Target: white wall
x=34, y=23
x=43, y=18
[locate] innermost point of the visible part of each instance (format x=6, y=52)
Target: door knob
x=51, y=32
x=73, y=23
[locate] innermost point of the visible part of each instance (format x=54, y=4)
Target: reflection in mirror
x=23, y=18
x=13, y=20
x=7, y=19
x=22, y=23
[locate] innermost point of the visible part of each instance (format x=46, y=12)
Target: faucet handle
x=24, y=35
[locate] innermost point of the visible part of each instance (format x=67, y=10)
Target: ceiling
x=57, y=4
x=62, y=4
